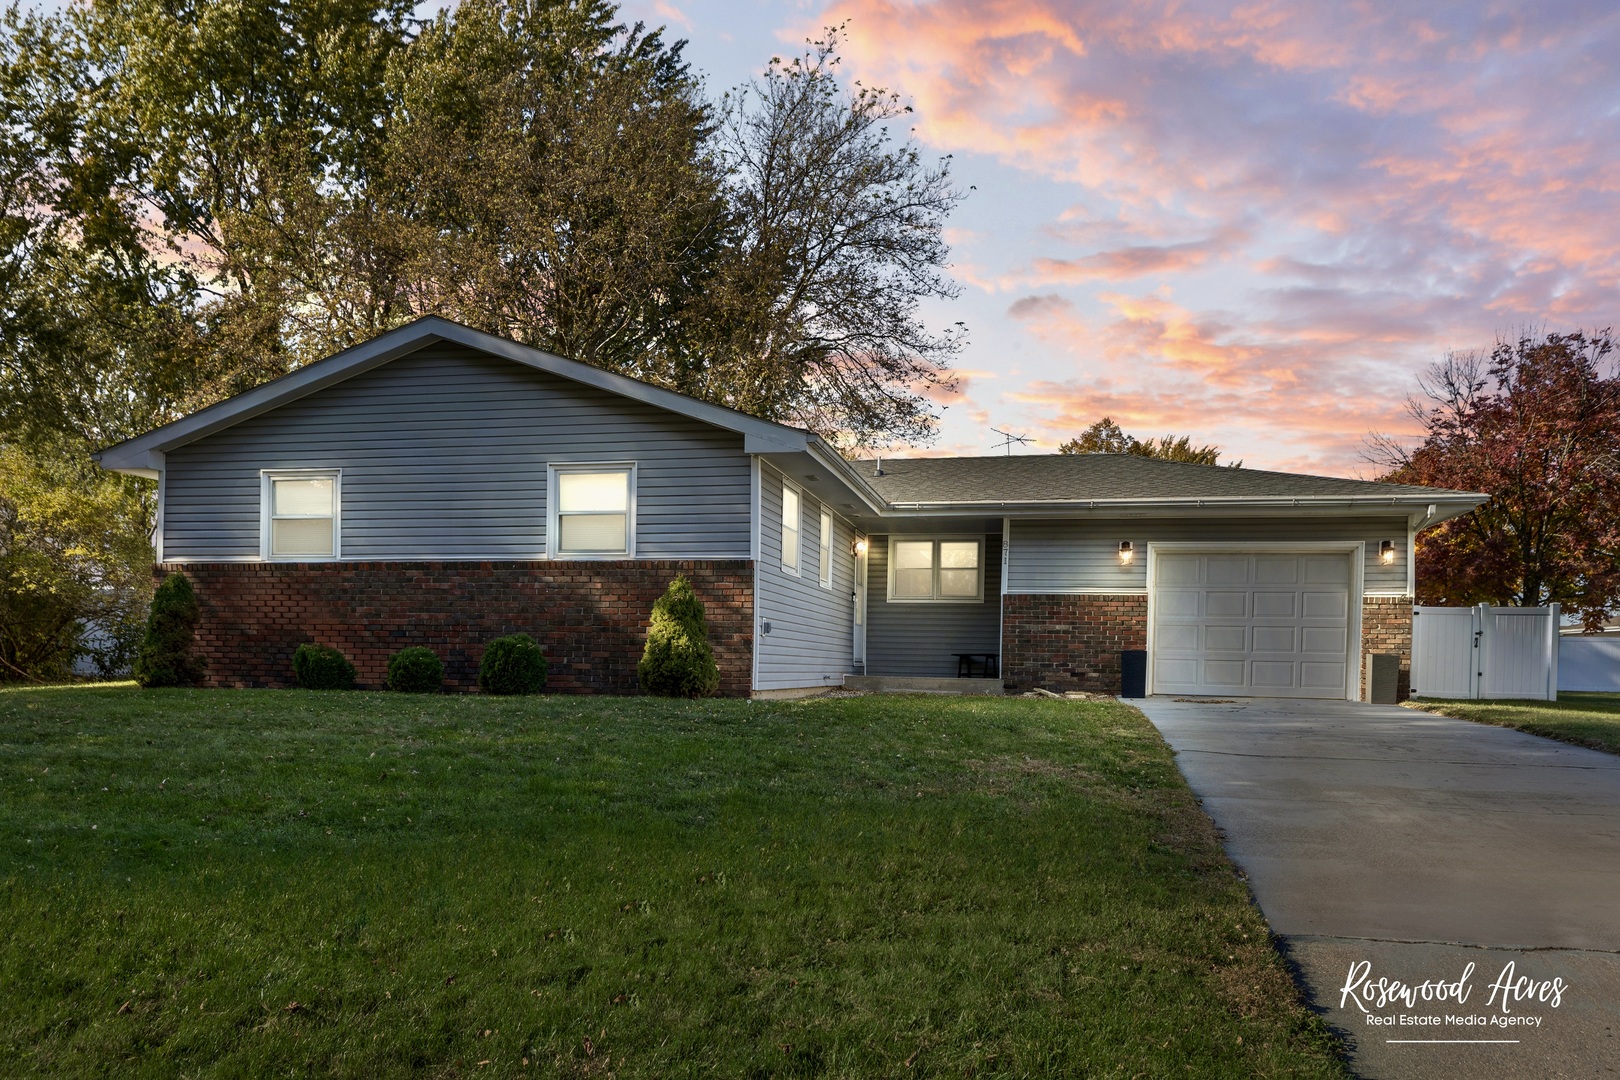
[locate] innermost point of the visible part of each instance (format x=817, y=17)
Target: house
x=440, y=486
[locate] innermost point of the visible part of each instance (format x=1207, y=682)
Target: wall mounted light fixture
x=1386, y=551
x=860, y=545
x=1126, y=552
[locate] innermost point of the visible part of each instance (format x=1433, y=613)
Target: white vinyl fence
x=1485, y=652
x=1589, y=662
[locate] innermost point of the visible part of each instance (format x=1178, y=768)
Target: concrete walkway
x=1419, y=845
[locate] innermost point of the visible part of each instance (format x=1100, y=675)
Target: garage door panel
x=1280, y=605
x=1324, y=639
x=1273, y=674
x=1320, y=676
x=1179, y=570
x=1178, y=636
x=1275, y=639
x=1276, y=569
x=1178, y=602
x=1259, y=624
x=1326, y=570
x=1226, y=638
x=1324, y=605
x=1225, y=673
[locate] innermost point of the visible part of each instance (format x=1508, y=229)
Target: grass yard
x=280, y=883
x=1584, y=719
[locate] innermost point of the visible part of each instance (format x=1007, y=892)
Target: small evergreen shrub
x=321, y=667
x=165, y=657
x=513, y=665
x=677, y=661
x=416, y=670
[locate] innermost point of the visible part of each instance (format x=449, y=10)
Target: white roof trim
x=135, y=455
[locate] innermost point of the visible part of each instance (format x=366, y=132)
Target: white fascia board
x=1315, y=505
x=130, y=456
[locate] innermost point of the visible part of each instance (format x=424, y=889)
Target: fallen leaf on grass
x=124, y=1008
x=292, y=1007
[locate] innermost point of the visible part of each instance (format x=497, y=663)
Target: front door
x=858, y=599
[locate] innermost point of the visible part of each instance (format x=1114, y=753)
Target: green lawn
x=1584, y=719
x=279, y=883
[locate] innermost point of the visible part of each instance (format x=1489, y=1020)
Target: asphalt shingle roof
x=1079, y=477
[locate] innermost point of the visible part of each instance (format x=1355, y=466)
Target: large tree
x=1107, y=437
x=1536, y=425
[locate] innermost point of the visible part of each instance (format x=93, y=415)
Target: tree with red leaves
x=1536, y=425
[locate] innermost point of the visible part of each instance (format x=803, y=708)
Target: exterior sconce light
x=1126, y=553
x=1386, y=551
x=860, y=545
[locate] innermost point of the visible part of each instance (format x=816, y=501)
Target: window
x=824, y=560
x=592, y=511
x=937, y=570
x=299, y=516
x=790, y=530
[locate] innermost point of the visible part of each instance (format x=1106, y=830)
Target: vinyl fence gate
x=1485, y=652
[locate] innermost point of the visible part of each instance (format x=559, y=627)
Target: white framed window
x=947, y=570
x=591, y=510
x=791, y=517
x=300, y=514
x=824, y=551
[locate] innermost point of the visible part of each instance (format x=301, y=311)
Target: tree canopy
x=1536, y=425
x=197, y=198
x=1106, y=437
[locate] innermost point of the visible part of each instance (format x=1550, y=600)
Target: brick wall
x=1386, y=627
x=590, y=618
x=1062, y=642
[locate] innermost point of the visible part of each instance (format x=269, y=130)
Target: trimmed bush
x=513, y=665
x=165, y=657
x=321, y=667
x=677, y=661
x=416, y=670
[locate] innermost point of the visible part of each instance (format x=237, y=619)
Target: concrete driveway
x=1417, y=845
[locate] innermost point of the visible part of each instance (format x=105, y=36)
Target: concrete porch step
x=905, y=684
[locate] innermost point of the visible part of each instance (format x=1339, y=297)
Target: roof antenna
x=1009, y=440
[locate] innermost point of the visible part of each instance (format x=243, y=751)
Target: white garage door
x=1251, y=624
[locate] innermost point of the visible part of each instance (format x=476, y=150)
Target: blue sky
x=1251, y=223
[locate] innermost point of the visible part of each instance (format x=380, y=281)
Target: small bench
x=989, y=664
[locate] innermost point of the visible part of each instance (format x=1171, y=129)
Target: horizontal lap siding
x=1049, y=557
x=444, y=455
x=918, y=639
x=811, y=642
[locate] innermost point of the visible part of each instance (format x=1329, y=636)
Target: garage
x=1252, y=623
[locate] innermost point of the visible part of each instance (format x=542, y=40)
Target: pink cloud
x=1349, y=190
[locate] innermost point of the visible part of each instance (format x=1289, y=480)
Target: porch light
x=1386, y=551
x=1126, y=553
x=860, y=545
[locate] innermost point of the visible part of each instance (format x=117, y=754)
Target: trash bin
x=1383, y=679
x=1133, y=673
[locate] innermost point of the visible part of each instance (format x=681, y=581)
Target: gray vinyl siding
x=918, y=639
x=444, y=455
x=811, y=642
x=1083, y=556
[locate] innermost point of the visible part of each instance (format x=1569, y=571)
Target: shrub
x=416, y=670
x=321, y=667
x=165, y=657
x=513, y=665
x=677, y=661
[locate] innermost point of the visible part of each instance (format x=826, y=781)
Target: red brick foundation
x=1386, y=627
x=1060, y=642
x=591, y=618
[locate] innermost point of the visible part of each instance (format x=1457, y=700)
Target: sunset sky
x=1250, y=223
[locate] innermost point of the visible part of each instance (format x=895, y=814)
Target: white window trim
x=267, y=504
x=552, y=531
x=889, y=596
x=829, y=529
x=797, y=569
